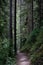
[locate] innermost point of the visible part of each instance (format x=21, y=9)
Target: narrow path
x=22, y=59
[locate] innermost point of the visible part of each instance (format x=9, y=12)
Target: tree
x=15, y=28
x=10, y=34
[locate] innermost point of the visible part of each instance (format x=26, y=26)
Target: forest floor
x=22, y=59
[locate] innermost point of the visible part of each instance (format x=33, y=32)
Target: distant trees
x=26, y=16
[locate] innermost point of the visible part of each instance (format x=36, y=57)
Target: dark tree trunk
x=15, y=28
x=39, y=11
x=10, y=30
x=32, y=16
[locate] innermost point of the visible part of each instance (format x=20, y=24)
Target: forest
x=21, y=32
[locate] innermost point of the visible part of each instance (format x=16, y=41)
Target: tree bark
x=15, y=28
x=10, y=30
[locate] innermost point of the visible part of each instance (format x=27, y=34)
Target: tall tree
x=10, y=28
x=15, y=27
x=32, y=16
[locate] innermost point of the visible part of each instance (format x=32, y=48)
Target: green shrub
x=4, y=47
x=31, y=39
x=34, y=46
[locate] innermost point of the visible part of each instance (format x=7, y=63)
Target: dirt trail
x=22, y=59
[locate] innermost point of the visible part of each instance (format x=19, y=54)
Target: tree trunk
x=15, y=28
x=10, y=30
